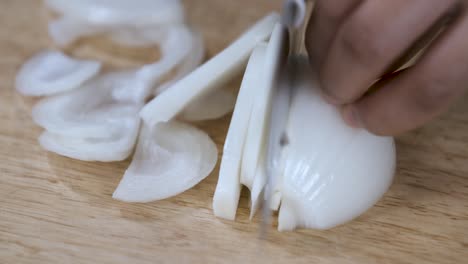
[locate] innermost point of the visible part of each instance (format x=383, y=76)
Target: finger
x=422, y=92
x=323, y=24
x=371, y=39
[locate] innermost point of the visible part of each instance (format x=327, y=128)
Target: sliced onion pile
x=326, y=175
x=93, y=116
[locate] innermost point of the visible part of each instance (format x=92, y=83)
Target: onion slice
x=175, y=48
x=87, y=123
x=87, y=111
x=51, y=72
x=189, y=64
x=226, y=196
x=210, y=75
x=212, y=106
x=115, y=147
x=170, y=159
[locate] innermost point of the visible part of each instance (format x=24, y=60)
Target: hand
x=353, y=43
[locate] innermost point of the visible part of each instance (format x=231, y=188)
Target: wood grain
x=58, y=210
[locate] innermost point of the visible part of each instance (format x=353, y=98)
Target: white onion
x=210, y=75
x=333, y=173
x=226, y=196
x=51, y=72
x=170, y=159
x=329, y=173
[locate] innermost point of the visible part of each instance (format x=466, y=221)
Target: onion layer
x=175, y=48
x=226, y=196
x=170, y=159
x=115, y=147
x=51, y=72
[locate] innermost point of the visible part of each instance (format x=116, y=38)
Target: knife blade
x=292, y=17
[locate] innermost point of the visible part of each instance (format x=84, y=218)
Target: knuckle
x=358, y=41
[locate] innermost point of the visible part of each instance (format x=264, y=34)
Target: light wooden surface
x=58, y=210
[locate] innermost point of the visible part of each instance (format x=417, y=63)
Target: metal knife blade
x=293, y=16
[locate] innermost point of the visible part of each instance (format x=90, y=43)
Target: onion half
x=333, y=173
x=327, y=174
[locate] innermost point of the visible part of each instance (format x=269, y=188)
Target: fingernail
x=351, y=116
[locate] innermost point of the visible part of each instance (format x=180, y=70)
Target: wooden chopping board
x=57, y=210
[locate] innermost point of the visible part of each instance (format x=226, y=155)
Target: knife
x=292, y=17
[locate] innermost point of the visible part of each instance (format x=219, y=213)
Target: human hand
x=353, y=43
